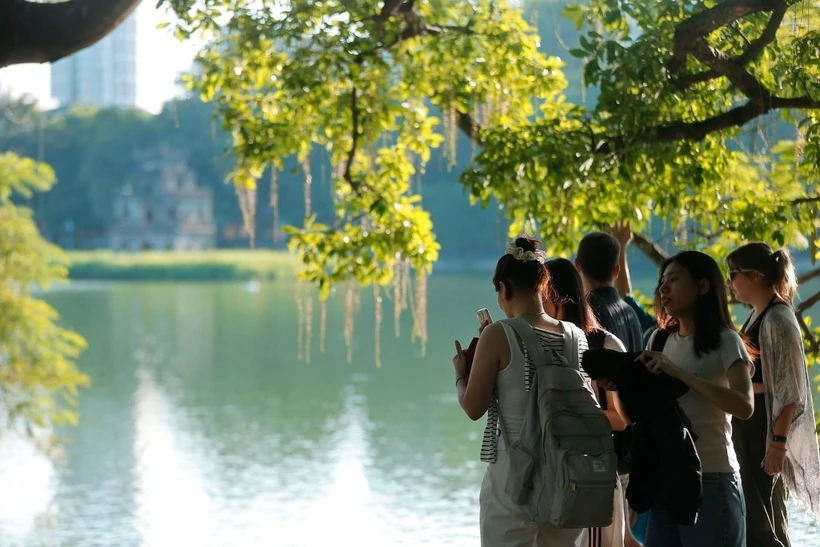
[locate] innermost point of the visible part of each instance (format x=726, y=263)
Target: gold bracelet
x=783, y=448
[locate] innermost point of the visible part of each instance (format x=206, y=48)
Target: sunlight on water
x=173, y=506
x=26, y=489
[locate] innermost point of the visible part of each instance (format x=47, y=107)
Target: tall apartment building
x=104, y=74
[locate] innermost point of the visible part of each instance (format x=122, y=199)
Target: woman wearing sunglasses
x=777, y=447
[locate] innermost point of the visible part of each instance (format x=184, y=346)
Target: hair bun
x=528, y=243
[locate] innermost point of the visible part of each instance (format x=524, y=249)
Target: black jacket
x=666, y=471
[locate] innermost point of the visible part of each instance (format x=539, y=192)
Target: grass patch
x=217, y=265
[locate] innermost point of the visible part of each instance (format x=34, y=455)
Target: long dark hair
x=776, y=267
x=711, y=314
x=564, y=288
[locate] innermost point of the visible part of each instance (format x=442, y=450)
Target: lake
x=202, y=427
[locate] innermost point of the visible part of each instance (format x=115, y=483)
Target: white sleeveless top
x=512, y=388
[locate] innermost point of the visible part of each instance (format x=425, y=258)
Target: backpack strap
x=571, y=345
x=524, y=331
x=530, y=340
x=659, y=339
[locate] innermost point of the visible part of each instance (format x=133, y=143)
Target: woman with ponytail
x=777, y=447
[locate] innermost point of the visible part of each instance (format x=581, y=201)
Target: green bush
x=222, y=265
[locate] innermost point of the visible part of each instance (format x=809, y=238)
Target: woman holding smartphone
x=499, y=382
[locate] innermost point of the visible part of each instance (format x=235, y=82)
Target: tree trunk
x=33, y=32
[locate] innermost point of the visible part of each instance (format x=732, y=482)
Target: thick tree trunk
x=33, y=32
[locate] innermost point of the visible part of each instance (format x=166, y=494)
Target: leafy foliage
x=665, y=140
x=380, y=84
x=372, y=82
x=38, y=378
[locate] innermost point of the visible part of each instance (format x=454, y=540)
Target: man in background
x=598, y=262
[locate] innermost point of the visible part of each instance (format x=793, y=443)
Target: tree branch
x=390, y=8
x=814, y=344
x=808, y=199
x=650, y=248
x=33, y=32
x=690, y=38
x=751, y=53
x=736, y=117
x=351, y=154
x=736, y=73
x=469, y=126
x=808, y=276
x=697, y=27
x=808, y=303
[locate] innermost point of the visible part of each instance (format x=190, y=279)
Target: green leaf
x=575, y=13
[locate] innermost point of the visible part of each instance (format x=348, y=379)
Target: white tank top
x=512, y=388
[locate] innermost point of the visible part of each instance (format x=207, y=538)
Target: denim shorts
x=721, y=520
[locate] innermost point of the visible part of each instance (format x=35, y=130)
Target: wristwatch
x=779, y=438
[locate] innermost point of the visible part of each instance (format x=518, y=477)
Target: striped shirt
x=549, y=341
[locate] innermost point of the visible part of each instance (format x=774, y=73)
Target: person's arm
x=783, y=423
x=623, y=233
x=475, y=397
x=615, y=412
x=781, y=354
x=737, y=399
x=623, y=282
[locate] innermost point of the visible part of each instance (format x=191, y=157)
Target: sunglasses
x=733, y=273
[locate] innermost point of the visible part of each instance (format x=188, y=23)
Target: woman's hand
x=773, y=464
x=622, y=231
x=460, y=362
x=656, y=362
x=482, y=327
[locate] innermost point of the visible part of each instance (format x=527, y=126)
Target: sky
x=160, y=57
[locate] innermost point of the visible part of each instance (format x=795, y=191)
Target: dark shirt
x=617, y=317
x=752, y=332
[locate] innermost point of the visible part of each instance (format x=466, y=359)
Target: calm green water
x=202, y=428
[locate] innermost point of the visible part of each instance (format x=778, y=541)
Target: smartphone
x=483, y=316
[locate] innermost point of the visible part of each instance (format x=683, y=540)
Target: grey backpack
x=563, y=467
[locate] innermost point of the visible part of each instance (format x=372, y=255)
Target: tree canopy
x=380, y=84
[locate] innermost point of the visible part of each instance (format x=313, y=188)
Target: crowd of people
x=712, y=428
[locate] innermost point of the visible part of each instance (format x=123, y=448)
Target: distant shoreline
x=220, y=265
x=262, y=265
x=216, y=265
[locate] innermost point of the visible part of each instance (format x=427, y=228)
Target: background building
x=162, y=208
x=104, y=74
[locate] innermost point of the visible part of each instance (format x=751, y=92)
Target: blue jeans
x=721, y=520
